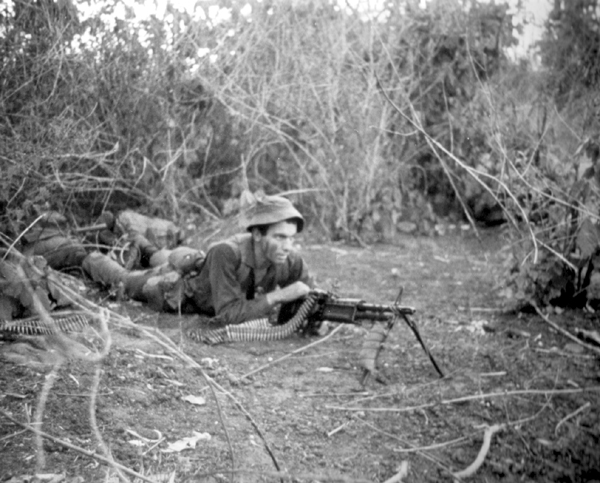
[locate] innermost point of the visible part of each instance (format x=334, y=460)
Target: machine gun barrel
x=391, y=309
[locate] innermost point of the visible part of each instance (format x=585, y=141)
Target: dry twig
x=400, y=475
x=290, y=354
x=92, y=409
x=483, y=451
x=252, y=422
x=569, y=416
x=564, y=332
x=66, y=444
x=39, y=415
x=445, y=444
x=209, y=381
x=520, y=392
x=423, y=454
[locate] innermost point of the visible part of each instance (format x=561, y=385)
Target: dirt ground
x=519, y=394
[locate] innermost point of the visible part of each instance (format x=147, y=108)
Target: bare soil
x=307, y=417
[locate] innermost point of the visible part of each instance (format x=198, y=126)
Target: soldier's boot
x=146, y=248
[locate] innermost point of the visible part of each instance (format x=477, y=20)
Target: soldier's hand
x=287, y=294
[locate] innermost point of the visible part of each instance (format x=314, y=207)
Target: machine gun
x=336, y=309
x=307, y=318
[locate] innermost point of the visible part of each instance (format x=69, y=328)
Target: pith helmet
x=266, y=210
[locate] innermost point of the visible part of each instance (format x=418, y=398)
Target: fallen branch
x=252, y=422
x=445, y=444
x=558, y=352
x=437, y=461
x=39, y=416
x=483, y=451
x=569, y=416
x=83, y=451
x=463, y=438
x=8, y=436
x=290, y=354
x=96, y=431
x=222, y=421
x=520, y=392
x=400, y=475
x=292, y=477
x=564, y=332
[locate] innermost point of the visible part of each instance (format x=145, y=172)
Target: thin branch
x=563, y=331
x=475, y=173
x=66, y=444
x=547, y=392
x=39, y=415
x=445, y=444
x=292, y=477
x=96, y=431
x=400, y=475
x=13, y=435
x=222, y=421
x=423, y=454
x=290, y=354
x=572, y=415
x=487, y=439
x=462, y=202
x=252, y=422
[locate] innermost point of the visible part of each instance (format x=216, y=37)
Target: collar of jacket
x=243, y=244
x=246, y=245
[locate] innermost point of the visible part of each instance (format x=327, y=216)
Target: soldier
x=245, y=276
x=241, y=278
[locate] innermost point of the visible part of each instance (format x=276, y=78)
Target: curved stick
x=487, y=439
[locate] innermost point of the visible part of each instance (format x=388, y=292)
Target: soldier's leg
x=146, y=249
x=160, y=287
x=60, y=252
x=106, y=271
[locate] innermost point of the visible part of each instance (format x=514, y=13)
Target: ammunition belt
x=257, y=329
x=61, y=322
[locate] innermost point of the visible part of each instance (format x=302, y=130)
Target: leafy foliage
x=557, y=188
x=556, y=263
x=571, y=46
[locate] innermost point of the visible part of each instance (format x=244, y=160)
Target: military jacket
x=226, y=286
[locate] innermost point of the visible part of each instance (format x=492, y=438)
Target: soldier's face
x=277, y=243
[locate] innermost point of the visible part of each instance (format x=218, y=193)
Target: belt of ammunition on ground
x=71, y=322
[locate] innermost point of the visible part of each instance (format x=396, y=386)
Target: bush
x=177, y=115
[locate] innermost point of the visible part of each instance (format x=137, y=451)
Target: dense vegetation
x=376, y=124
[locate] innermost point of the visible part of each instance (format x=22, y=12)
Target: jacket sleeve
x=298, y=271
x=228, y=297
